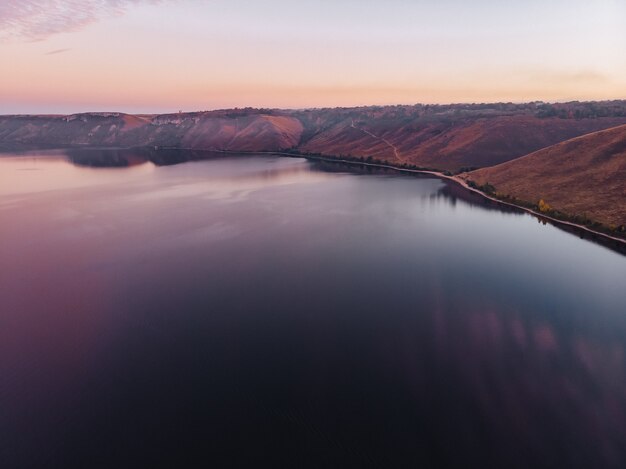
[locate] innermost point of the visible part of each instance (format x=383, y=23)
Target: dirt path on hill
x=396, y=152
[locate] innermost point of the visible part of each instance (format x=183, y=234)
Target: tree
x=543, y=206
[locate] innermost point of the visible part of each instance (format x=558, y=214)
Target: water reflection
x=448, y=193
x=526, y=375
x=125, y=157
x=245, y=310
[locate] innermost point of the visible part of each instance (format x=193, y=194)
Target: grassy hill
x=582, y=178
x=444, y=137
x=562, y=153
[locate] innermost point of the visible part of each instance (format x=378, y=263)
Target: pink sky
x=161, y=56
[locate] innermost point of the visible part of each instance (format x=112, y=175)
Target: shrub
x=543, y=206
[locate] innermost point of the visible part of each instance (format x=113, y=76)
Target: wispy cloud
x=57, y=51
x=35, y=20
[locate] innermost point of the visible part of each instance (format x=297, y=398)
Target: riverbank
x=618, y=243
x=454, y=178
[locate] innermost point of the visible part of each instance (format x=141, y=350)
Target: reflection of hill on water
x=105, y=158
x=126, y=157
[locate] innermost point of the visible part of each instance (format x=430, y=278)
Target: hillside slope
x=583, y=177
x=443, y=137
x=450, y=144
x=238, y=131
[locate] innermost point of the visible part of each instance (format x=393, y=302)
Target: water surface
x=246, y=311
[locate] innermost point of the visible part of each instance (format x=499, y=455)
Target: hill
x=443, y=137
x=580, y=179
x=249, y=131
x=450, y=142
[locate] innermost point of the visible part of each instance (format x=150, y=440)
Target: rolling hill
x=441, y=137
x=450, y=144
x=237, y=131
x=583, y=178
x=571, y=155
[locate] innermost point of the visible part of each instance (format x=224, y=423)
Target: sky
x=152, y=56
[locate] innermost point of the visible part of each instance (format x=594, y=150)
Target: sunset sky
x=162, y=56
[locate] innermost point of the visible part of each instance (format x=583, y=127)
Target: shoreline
x=461, y=182
x=455, y=179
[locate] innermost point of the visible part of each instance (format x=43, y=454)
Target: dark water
x=265, y=311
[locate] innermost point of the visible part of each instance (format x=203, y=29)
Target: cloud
x=35, y=20
x=57, y=51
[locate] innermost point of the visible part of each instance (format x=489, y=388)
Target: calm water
x=246, y=311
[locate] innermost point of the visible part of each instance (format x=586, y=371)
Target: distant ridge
x=211, y=131
x=444, y=137
x=583, y=178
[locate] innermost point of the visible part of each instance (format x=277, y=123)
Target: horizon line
x=362, y=106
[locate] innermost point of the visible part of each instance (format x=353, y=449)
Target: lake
x=200, y=310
